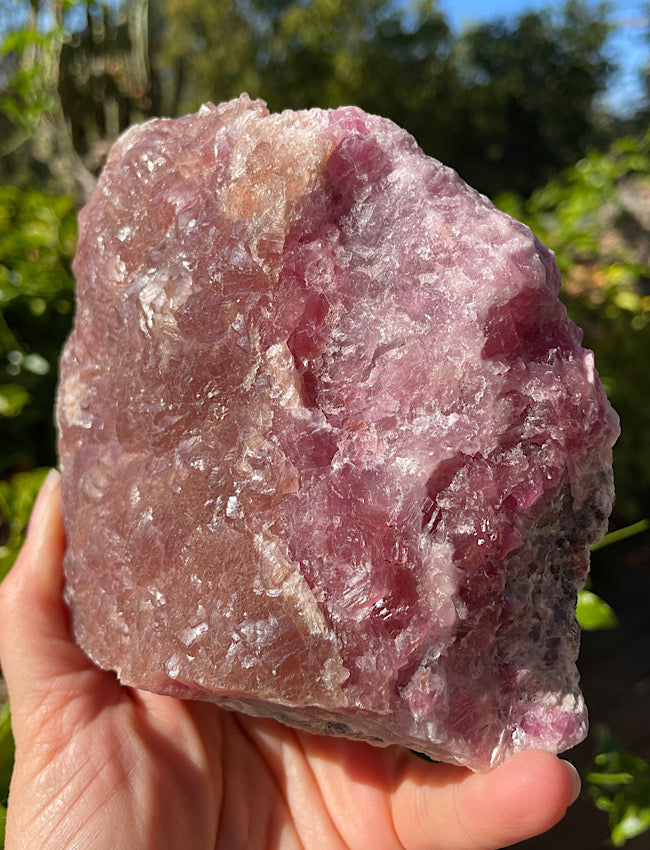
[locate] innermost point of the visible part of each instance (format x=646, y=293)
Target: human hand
x=99, y=765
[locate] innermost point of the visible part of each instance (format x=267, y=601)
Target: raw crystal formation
x=331, y=449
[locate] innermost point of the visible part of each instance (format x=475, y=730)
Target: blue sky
x=629, y=48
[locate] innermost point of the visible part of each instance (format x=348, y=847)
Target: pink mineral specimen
x=331, y=449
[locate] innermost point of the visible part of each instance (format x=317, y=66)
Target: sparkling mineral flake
x=331, y=449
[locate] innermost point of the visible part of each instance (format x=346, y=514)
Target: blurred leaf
x=37, y=242
x=13, y=398
x=6, y=751
x=21, y=39
x=594, y=613
x=619, y=784
x=634, y=822
x=6, y=765
x=17, y=496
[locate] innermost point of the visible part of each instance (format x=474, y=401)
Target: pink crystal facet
x=331, y=449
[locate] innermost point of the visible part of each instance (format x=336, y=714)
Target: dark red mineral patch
x=331, y=449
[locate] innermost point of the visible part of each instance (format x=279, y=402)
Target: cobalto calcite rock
x=331, y=449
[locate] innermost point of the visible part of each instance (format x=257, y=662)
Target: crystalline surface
x=331, y=449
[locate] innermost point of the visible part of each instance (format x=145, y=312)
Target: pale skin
x=99, y=765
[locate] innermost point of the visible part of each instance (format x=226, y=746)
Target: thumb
x=35, y=643
x=525, y=796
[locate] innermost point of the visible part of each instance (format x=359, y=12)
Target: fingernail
x=575, y=779
x=48, y=485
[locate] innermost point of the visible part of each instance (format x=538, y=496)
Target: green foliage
x=6, y=764
x=17, y=496
x=591, y=216
x=568, y=212
x=36, y=147
x=530, y=92
x=37, y=241
x=29, y=95
x=619, y=784
x=13, y=399
x=594, y=613
x=319, y=53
